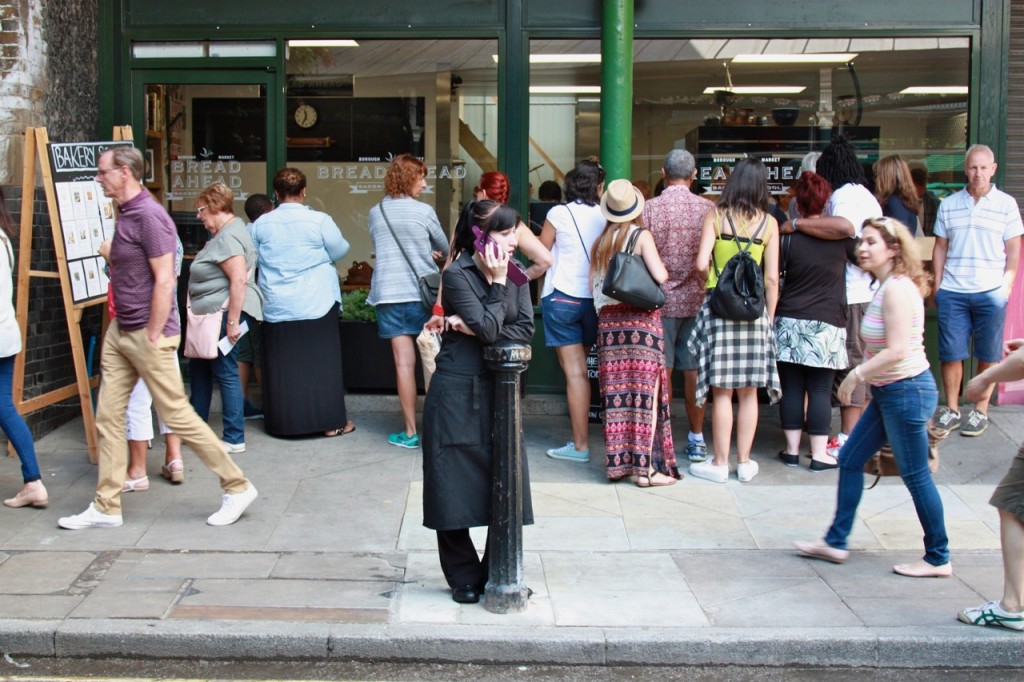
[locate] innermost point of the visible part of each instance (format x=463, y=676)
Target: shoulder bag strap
x=578, y=233
x=395, y=237
x=631, y=244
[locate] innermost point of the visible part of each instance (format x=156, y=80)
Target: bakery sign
x=714, y=171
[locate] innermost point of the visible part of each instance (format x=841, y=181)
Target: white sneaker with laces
x=90, y=518
x=232, y=507
x=233, y=448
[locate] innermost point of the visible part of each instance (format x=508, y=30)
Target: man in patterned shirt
x=676, y=219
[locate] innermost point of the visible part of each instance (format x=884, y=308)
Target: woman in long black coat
x=480, y=307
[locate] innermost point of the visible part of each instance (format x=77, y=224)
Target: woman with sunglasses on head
x=481, y=307
x=903, y=397
x=570, y=319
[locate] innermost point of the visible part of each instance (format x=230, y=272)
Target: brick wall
x=48, y=77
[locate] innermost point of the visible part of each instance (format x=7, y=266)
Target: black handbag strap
x=578, y=233
x=401, y=248
x=631, y=244
x=786, y=240
x=735, y=238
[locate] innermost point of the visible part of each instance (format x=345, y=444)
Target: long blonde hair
x=893, y=179
x=905, y=260
x=609, y=243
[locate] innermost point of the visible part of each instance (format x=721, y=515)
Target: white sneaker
x=745, y=471
x=90, y=518
x=232, y=507
x=233, y=448
x=708, y=471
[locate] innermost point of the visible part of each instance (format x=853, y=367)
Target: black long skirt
x=303, y=391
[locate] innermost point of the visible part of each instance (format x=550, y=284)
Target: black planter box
x=366, y=360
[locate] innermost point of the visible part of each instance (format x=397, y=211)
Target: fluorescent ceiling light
x=758, y=89
x=810, y=58
x=316, y=42
x=935, y=90
x=565, y=89
x=592, y=58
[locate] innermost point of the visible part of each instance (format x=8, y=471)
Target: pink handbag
x=203, y=332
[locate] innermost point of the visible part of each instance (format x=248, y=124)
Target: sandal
x=343, y=431
x=174, y=471
x=132, y=485
x=652, y=479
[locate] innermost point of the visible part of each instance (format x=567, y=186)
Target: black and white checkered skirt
x=733, y=354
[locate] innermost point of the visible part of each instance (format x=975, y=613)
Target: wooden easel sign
x=81, y=217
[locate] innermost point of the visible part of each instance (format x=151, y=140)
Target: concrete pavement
x=332, y=561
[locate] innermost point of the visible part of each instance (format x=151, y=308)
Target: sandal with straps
x=174, y=471
x=652, y=479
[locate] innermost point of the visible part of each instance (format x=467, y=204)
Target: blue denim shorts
x=401, y=319
x=962, y=316
x=568, y=320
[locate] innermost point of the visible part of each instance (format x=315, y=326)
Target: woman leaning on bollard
x=480, y=308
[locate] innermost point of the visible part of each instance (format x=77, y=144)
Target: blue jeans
x=223, y=368
x=898, y=413
x=14, y=426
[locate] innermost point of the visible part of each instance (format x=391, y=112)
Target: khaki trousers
x=126, y=357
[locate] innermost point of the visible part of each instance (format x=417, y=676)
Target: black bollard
x=505, y=590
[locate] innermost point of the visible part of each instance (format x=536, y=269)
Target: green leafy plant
x=354, y=307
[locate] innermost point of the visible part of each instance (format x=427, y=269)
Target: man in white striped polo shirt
x=977, y=250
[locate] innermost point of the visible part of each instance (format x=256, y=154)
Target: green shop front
x=231, y=91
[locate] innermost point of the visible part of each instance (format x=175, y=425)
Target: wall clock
x=305, y=115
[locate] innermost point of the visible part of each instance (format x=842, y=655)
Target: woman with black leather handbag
x=631, y=345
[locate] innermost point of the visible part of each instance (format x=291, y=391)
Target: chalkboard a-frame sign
x=86, y=215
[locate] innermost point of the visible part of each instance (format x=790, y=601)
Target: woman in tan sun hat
x=631, y=353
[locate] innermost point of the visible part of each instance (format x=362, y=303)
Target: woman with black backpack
x=732, y=339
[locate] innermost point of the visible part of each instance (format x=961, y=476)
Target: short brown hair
x=217, y=197
x=289, y=182
x=403, y=173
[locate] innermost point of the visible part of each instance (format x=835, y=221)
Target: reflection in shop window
x=351, y=108
x=705, y=95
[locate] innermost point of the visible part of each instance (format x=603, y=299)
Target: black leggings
x=816, y=383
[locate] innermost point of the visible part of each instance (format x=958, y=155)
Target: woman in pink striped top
x=903, y=397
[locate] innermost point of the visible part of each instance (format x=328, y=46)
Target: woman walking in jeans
x=903, y=397
x=33, y=493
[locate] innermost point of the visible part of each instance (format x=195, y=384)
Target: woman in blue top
x=895, y=191
x=296, y=248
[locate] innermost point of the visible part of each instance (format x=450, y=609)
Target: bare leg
x=952, y=378
x=818, y=444
x=792, y=441
x=694, y=414
x=721, y=424
x=746, y=423
x=1012, y=535
x=173, y=448
x=137, y=450
x=573, y=360
x=982, y=405
x=404, y=351
x=848, y=418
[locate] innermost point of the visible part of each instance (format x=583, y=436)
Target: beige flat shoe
x=819, y=549
x=923, y=569
x=29, y=496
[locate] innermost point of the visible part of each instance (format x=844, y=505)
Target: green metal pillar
x=617, y=88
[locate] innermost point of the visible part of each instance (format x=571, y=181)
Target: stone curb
x=253, y=640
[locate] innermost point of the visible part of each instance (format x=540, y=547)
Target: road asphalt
x=332, y=561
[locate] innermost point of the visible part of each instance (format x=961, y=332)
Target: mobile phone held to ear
x=516, y=274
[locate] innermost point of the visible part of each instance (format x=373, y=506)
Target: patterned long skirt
x=631, y=371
